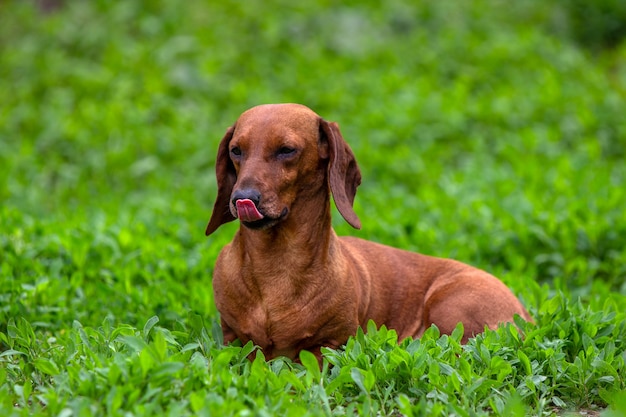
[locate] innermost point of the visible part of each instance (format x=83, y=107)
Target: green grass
x=485, y=132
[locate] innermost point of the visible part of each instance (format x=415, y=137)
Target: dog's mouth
x=251, y=217
x=247, y=211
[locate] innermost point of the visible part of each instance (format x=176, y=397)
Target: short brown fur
x=288, y=283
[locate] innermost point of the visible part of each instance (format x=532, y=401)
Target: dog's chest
x=278, y=329
x=265, y=306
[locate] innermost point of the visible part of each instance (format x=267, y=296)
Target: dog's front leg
x=229, y=335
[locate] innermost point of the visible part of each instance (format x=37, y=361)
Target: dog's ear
x=226, y=178
x=343, y=173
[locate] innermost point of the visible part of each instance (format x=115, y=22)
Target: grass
x=485, y=131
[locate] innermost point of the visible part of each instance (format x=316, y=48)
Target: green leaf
x=365, y=380
x=525, y=362
x=290, y=378
x=114, y=398
x=309, y=361
x=216, y=332
x=514, y=407
x=247, y=349
x=133, y=342
x=11, y=352
x=47, y=366
x=147, y=361
x=83, y=336
x=27, y=389
x=168, y=369
x=457, y=333
x=149, y=325
x=197, y=400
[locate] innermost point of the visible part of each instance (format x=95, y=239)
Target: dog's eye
x=235, y=151
x=286, y=151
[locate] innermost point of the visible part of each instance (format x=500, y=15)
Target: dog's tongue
x=247, y=211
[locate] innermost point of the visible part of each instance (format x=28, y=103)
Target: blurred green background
x=488, y=131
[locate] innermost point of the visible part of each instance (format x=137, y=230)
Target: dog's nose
x=247, y=194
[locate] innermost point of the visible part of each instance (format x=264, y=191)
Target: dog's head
x=277, y=156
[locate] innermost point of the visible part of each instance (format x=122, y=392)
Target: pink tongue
x=247, y=211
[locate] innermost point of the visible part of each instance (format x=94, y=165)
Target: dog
x=288, y=283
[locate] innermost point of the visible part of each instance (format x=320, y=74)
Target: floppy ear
x=226, y=178
x=343, y=173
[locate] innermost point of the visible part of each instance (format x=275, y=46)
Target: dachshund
x=288, y=283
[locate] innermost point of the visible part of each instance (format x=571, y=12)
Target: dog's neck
x=292, y=249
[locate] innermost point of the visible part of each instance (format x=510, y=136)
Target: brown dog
x=288, y=283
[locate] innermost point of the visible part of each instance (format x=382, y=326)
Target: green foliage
x=481, y=135
x=597, y=24
x=186, y=371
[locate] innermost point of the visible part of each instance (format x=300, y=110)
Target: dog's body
x=288, y=283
